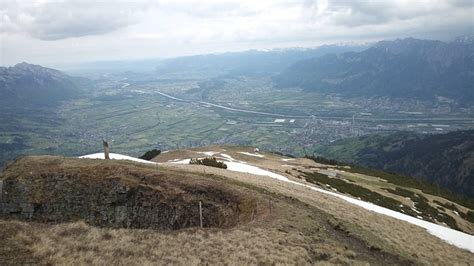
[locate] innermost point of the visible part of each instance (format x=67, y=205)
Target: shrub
x=401, y=192
x=469, y=216
x=356, y=191
x=411, y=182
x=322, y=160
x=283, y=154
x=150, y=154
x=209, y=161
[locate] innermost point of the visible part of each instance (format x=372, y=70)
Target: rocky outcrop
x=116, y=194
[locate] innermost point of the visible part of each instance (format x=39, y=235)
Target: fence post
x=200, y=213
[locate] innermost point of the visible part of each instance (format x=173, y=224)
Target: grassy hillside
x=57, y=210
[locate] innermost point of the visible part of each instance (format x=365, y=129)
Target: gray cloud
x=462, y=3
x=355, y=13
x=205, y=11
x=59, y=20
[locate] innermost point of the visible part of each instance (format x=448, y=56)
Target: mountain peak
x=26, y=65
x=22, y=64
x=31, y=67
x=34, y=84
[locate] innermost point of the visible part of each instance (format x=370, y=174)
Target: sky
x=48, y=32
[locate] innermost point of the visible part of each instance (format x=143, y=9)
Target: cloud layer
x=60, y=20
x=110, y=29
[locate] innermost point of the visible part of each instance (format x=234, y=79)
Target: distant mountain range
x=252, y=62
x=444, y=159
x=404, y=68
x=32, y=85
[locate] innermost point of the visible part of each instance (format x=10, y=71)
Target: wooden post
x=200, y=213
x=106, y=150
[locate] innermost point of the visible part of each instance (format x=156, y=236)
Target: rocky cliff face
x=115, y=194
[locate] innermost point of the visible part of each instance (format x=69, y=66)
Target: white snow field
x=185, y=161
x=454, y=237
x=115, y=156
x=245, y=168
x=252, y=154
x=208, y=153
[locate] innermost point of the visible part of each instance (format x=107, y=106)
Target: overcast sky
x=48, y=32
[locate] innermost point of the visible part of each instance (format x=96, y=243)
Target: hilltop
x=265, y=208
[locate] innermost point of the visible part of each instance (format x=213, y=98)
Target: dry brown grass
x=79, y=243
x=289, y=236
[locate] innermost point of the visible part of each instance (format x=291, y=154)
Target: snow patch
x=251, y=154
x=245, y=168
x=207, y=153
x=115, y=156
x=228, y=157
x=287, y=160
x=185, y=161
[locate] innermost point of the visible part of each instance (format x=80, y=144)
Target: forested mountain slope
x=405, y=68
